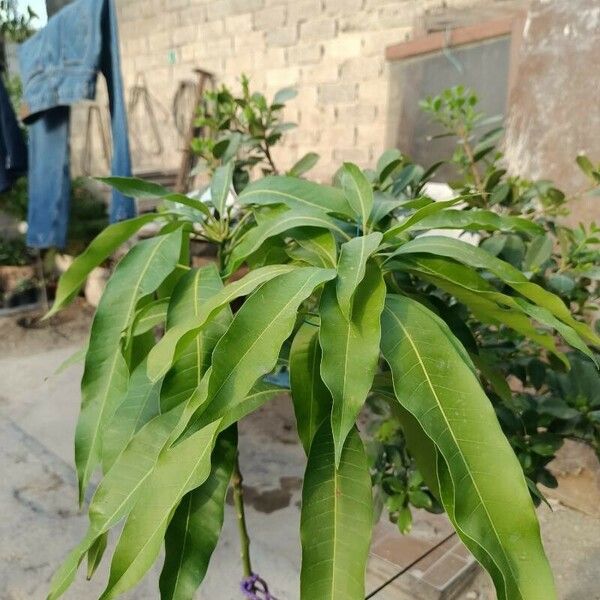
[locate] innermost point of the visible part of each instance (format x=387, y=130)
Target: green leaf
x=359, y=192
x=95, y=554
x=350, y=350
x=562, y=284
x=476, y=220
x=311, y=398
x=317, y=245
x=139, y=188
x=151, y=315
x=220, y=186
x=193, y=293
x=486, y=303
x=140, y=405
x=95, y=254
x=414, y=220
x=585, y=164
x=538, y=252
x=194, y=530
x=336, y=519
x=487, y=503
x=178, y=337
x=250, y=347
x=406, y=177
x=278, y=221
x=478, y=258
x=104, y=381
x=118, y=491
x=260, y=394
x=387, y=163
x=284, y=95
x=306, y=163
x=295, y=193
x=179, y=470
x=352, y=266
x=383, y=205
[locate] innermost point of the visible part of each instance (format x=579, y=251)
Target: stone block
x=282, y=36
x=361, y=68
x=237, y=24
x=337, y=93
x=304, y=54
x=345, y=45
x=270, y=18
x=318, y=30
x=303, y=10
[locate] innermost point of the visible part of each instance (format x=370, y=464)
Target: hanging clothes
x=13, y=151
x=59, y=67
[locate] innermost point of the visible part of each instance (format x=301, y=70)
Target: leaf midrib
x=285, y=195
x=259, y=338
x=117, y=353
x=460, y=453
x=157, y=528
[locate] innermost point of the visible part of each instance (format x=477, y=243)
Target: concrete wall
x=554, y=105
x=332, y=51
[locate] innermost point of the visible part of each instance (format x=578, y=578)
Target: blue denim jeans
x=13, y=152
x=59, y=66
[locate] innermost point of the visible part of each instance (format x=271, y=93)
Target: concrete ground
x=38, y=410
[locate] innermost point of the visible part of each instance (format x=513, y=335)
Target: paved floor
x=38, y=495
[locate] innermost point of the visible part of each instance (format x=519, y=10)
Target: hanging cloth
x=59, y=67
x=13, y=151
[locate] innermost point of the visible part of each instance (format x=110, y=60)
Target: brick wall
x=332, y=51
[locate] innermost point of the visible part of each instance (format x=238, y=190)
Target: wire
x=410, y=565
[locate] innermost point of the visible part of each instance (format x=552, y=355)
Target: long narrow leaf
x=479, y=258
x=469, y=287
x=350, y=350
x=178, y=337
x=311, y=398
x=295, y=193
x=336, y=519
x=140, y=405
x=139, y=188
x=359, y=192
x=251, y=346
x=194, y=530
x=105, y=376
x=352, y=266
x=220, y=186
x=193, y=292
x=415, y=219
x=488, y=504
x=477, y=220
x=277, y=222
x=179, y=470
x=95, y=254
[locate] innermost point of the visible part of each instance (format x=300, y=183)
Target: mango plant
x=332, y=275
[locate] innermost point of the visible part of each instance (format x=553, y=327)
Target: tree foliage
x=343, y=280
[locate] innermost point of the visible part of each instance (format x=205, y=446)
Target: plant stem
x=270, y=159
x=464, y=140
x=238, y=501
